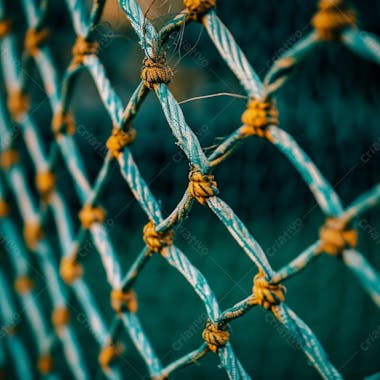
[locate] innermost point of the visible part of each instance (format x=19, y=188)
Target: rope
x=33, y=233
x=266, y=294
x=5, y=27
x=90, y=215
x=157, y=241
x=63, y=123
x=202, y=186
x=120, y=139
x=123, y=300
x=155, y=71
x=45, y=364
x=18, y=104
x=332, y=17
x=335, y=236
x=215, y=336
x=70, y=270
x=23, y=284
x=60, y=318
x=333, y=21
x=83, y=48
x=197, y=9
x=108, y=354
x=8, y=158
x=34, y=39
x=45, y=183
x=258, y=116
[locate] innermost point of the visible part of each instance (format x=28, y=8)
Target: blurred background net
x=330, y=106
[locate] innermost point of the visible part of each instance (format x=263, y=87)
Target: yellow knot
x=119, y=139
x=45, y=364
x=215, y=336
x=156, y=241
x=335, y=236
x=17, y=103
x=108, y=354
x=63, y=123
x=32, y=234
x=8, y=158
x=332, y=17
x=34, y=39
x=198, y=8
x=4, y=208
x=258, y=116
x=82, y=47
x=123, y=300
x=155, y=71
x=45, y=182
x=202, y=186
x=60, y=317
x=23, y=284
x=70, y=269
x=90, y=215
x=5, y=27
x=265, y=294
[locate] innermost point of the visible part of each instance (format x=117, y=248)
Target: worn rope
x=333, y=21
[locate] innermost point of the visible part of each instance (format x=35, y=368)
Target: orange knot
x=45, y=182
x=265, y=294
x=34, y=39
x=332, y=17
x=215, y=336
x=23, y=284
x=32, y=234
x=63, y=123
x=335, y=236
x=119, y=139
x=60, y=317
x=259, y=115
x=155, y=71
x=8, y=158
x=123, y=300
x=90, y=215
x=4, y=208
x=82, y=47
x=45, y=364
x=156, y=241
x=198, y=8
x=17, y=103
x=108, y=354
x=202, y=186
x=5, y=27
x=70, y=269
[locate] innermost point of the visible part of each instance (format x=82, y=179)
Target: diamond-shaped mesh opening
x=81, y=222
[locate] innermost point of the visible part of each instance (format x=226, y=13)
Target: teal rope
x=153, y=44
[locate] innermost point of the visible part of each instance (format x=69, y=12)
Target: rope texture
x=337, y=237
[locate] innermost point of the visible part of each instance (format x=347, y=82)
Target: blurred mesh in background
x=331, y=107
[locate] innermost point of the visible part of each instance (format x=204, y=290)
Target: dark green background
x=331, y=107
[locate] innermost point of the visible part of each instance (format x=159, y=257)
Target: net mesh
x=337, y=237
